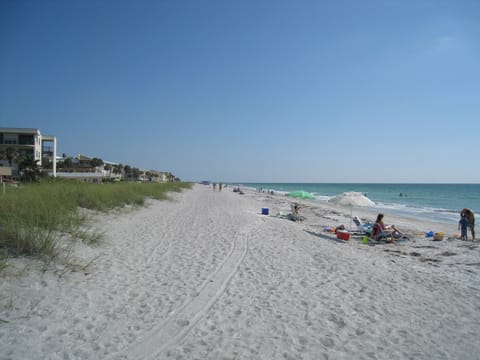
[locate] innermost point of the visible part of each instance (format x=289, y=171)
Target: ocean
x=439, y=202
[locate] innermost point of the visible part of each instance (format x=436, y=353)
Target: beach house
x=17, y=143
x=83, y=168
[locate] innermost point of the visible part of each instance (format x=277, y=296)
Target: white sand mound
x=352, y=198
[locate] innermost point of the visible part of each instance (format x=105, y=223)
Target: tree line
x=29, y=170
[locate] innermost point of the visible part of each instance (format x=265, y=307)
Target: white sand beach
x=207, y=276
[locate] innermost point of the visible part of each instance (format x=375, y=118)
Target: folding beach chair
x=360, y=227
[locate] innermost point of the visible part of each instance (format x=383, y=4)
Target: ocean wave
x=435, y=214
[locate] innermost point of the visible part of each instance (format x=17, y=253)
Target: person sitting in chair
x=382, y=232
x=295, y=211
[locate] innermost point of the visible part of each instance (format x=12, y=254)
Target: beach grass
x=34, y=217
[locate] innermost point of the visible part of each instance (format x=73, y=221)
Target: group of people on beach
x=220, y=185
x=382, y=232
x=467, y=221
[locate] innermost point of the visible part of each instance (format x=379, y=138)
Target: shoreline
x=345, y=213
x=401, y=199
x=206, y=275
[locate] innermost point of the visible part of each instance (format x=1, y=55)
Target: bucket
x=264, y=211
x=365, y=240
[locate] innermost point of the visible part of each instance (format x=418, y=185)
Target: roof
x=20, y=131
x=110, y=162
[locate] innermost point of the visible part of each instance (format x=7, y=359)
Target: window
x=26, y=140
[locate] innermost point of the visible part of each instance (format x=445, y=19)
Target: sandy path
x=171, y=331
x=207, y=277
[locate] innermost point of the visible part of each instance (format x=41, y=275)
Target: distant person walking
x=463, y=226
x=214, y=186
x=220, y=187
x=471, y=220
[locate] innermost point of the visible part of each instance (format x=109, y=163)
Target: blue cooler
x=264, y=211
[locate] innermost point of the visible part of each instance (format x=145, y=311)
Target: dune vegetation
x=34, y=217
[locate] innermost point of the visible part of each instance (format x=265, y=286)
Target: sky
x=251, y=90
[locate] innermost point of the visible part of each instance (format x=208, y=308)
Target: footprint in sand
x=327, y=342
x=183, y=322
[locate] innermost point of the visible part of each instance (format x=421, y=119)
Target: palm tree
x=96, y=162
x=135, y=173
x=107, y=170
x=29, y=169
x=11, y=154
x=128, y=171
x=68, y=162
x=118, y=169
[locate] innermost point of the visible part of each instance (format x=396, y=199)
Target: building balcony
x=17, y=146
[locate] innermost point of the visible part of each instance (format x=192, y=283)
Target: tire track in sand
x=179, y=324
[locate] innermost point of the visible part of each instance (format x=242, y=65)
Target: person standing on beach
x=463, y=226
x=471, y=220
x=214, y=186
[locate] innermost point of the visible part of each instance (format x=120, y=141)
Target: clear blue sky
x=294, y=91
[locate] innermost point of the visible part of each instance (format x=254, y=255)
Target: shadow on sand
x=324, y=236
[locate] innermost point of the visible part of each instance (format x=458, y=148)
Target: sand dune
x=206, y=276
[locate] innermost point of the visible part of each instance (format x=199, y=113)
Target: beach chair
x=360, y=227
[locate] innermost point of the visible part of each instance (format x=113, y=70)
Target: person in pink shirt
x=382, y=232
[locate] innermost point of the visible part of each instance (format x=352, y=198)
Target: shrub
x=34, y=217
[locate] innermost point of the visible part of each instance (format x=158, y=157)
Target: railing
x=16, y=144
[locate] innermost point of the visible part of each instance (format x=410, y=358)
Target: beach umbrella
x=352, y=198
x=301, y=195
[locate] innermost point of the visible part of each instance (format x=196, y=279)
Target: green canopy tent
x=301, y=195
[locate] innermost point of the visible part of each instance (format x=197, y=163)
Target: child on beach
x=463, y=225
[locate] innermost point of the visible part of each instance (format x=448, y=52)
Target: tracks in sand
x=179, y=324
